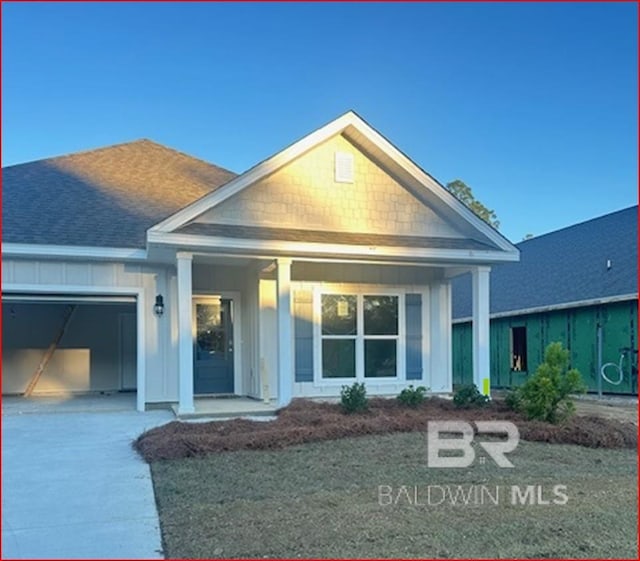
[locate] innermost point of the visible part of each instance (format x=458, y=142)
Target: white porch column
x=185, y=336
x=440, y=336
x=285, y=340
x=481, y=341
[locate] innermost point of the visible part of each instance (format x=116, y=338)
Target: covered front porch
x=273, y=328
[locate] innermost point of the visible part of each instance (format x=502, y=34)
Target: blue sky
x=533, y=105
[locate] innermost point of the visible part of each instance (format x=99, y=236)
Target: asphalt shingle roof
x=568, y=265
x=107, y=197
x=317, y=236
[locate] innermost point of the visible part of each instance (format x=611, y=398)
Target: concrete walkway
x=72, y=486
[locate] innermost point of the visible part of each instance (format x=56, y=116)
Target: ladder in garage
x=52, y=349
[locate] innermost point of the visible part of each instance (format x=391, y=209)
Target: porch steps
x=227, y=408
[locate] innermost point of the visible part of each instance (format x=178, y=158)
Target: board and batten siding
x=84, y=277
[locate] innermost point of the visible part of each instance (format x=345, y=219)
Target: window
x=359, y=335
x=518, y=349
x=380, y=336
x=339, y=330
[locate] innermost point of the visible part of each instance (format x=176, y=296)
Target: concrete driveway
x=72, y=486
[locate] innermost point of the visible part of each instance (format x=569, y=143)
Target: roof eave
x=190, y=242
x=46, y=251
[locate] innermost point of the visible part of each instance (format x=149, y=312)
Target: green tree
x=546, y=396
x=464, y=194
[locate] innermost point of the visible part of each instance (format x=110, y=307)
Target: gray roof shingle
x=568, y=265
x=107, y=197
x=317, y=236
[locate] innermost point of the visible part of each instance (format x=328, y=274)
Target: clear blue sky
x=533, y=105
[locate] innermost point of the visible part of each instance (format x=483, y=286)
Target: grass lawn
x=322, y=500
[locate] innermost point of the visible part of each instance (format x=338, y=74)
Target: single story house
x=150, y=270
x=577, y=285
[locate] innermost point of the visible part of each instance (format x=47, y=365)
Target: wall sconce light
x=158, y=307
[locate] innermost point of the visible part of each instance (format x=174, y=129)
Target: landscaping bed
x=305, y=421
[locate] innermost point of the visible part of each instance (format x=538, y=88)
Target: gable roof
x=108, y=197
x=359, y=133
x=565, y=266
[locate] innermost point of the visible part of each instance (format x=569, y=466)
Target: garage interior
x=63, y=345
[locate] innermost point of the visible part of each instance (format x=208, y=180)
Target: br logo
x=461, y=443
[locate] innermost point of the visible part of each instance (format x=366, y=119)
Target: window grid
x=361, y=337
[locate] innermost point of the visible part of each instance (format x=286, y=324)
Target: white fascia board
x=72, y=252
x=254, y=174
x=273, y=247
x=9, y=295
x=79, y=289
x=448, y=198
x=556, y=307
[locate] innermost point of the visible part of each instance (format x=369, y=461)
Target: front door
x=213, y=345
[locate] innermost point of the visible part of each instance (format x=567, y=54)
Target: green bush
x=354, y=398
x=412, y=397
x=468, y=396
x=546, y=396
x=512, y=400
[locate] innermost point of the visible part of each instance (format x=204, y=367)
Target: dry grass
x=321, y=500
x=306, y=421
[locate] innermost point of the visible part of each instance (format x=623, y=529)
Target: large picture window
x=360, y=335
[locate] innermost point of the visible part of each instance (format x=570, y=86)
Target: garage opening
x=95, y=353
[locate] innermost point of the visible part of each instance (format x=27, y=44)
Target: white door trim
x=202, y=296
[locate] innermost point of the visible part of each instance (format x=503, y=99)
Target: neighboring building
x=325, y=264
x=579, y=286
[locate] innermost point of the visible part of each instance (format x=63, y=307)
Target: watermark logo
x=472, y=495
x=461, y=444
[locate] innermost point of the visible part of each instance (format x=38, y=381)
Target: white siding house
x=326, y=264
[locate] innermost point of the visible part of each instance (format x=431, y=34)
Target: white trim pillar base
x=285, y=332
x=481, y=329
x=185, y=335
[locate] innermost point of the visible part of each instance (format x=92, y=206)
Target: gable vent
x=344, y=167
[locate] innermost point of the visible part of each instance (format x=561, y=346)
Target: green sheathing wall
x=575, y=328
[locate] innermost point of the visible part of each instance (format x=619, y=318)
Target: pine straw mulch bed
x=310, y=421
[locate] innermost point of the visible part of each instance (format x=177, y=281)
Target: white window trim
x=360, y=291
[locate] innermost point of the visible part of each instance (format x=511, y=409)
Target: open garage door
x=96, y=350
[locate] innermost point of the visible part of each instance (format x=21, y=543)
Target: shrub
x=512, y=400
x=412, y=397
x=354, y=398
x=546, y=396
x=468, y=396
